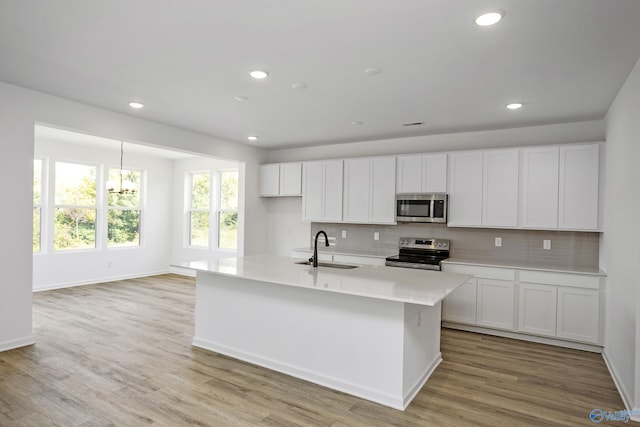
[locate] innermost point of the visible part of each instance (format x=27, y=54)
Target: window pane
x=123, y=227
x=36, y=229
x=74, y=228
x=229, y=190
x=200, y=191
x=75, y=184
x=37, y=180
x=228, y=236
x=130, y=181
x=199, y=224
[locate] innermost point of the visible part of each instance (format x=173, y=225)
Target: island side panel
x=421, y=347
x=345, y=342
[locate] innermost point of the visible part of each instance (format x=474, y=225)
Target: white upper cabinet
x=369, y=190
x=269, y=180
x=422, y=173
x=465, y=188
x=539, y=196
x=500, y=188
x=281, y=179
x=322, y=191
x=578, y=189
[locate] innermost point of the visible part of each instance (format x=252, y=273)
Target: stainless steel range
x=422, y=253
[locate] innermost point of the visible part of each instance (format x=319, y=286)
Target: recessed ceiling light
x=514, y=105
x=252, y=138
x=298, y=86
x=135, y=104
x=356, y=122
x=372, y=71
x=258, y=74
x=489, y=18
x=240, y=98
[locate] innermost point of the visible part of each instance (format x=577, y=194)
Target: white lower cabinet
x=460, y=305
x=537, y=309
x=495, y=303
x=578, y=314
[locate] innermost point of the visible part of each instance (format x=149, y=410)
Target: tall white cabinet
x=322, y=191
x=578, y=187
x=500, y=188
x=369, y=190
x=539, y=202
x=465, y=188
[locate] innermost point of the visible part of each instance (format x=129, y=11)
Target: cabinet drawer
x=560, y=279
x=481, y=271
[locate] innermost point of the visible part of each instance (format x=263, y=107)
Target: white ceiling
x=186, y=60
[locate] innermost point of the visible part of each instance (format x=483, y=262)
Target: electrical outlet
x=546, y=244
x=344, y=234
x=376, y=235
x=498, y=242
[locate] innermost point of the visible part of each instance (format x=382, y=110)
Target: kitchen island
x=373, y=332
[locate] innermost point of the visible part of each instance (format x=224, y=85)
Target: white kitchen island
x=373, y=332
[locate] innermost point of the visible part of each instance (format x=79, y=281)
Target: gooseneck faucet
x=315, y=246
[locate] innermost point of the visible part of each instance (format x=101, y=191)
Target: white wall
x=564, y=133
x=20, y=110
x=54, y=269
x=619, y=249
x=181, y=252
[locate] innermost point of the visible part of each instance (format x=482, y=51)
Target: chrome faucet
x=315, y=246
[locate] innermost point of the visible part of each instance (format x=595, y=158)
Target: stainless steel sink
x=329, y=264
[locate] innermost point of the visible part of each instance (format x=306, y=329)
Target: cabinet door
x=312, y=191
x=434, y=173
x=460, y=305
x=539, y=201
x=495, y=303
x=465, y=188
x=290, y=179
x=332, y=191
x=579, y=187
x=383, y=194
x=269, y=180
x=500, y=188
x=537, y=309
x=578, y=314
x=409, y=174
x=357, y=190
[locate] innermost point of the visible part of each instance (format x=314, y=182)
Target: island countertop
x=420, y=287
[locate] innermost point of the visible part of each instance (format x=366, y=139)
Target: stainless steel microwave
x=421, y=208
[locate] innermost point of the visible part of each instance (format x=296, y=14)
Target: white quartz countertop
x=388, y=283
x=527, y=265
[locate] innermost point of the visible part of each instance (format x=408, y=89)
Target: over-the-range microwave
x=421, y=207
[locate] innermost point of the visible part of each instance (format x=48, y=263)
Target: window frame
x=42, y=204
x=97, y=207
x=108, y=207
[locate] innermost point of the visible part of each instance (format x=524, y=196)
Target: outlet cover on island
x=344, y=234
x=498, y=242
x=376, y=235
x=546, y=244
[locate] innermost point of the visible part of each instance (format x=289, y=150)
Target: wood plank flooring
x=119, y=354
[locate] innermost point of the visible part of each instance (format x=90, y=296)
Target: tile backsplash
x=578, y=249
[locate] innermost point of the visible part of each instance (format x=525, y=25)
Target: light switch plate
x=498, y=242
x=344, y=234
x=376, y=235
x=546, y=244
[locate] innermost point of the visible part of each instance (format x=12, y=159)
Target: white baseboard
x=624, y=393
x=524, y=337
x=396, y=402
x=97, y=280
x=18, y=342
x=413, y=391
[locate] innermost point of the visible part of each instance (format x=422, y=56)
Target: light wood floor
x=120, y=354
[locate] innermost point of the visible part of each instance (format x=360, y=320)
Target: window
x=228, y=212
x=123, y=212
x=199, y=210
x=75, y=206
x=37, y=204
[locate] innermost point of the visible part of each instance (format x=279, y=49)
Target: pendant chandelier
x=125, y=187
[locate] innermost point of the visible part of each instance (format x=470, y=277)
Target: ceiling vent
x=413, y=124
